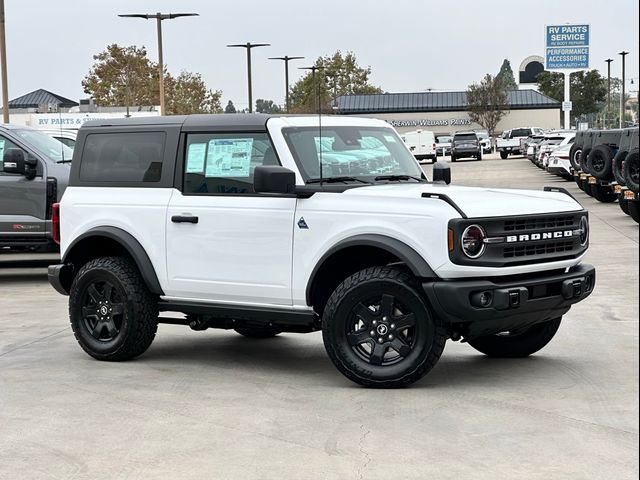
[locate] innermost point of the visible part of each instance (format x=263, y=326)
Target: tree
x=123, y=76
x=187, y=93
x=505, y=76
x=338, y=75
x=487, y=102
x=267, y=106
x=230, y=108
x=588, y=90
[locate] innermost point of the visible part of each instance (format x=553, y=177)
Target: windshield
x=350, y=151
x=482, y=135
x=46, y=145
x=445, y=139
x=467, y=137
x=520, y=132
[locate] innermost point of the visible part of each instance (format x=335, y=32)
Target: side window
x=224, y=163
x=123, y=157
x=5, y=144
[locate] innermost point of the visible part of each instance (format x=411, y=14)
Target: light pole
x=622, y=100
x=159, y=17
x=608, y=60
x=3, y=62
x=249, y=46
x=286, y=60
x=314, y=69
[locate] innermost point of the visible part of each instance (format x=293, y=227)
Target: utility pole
x=3, y=66
x=607, y=120
x=159, y=17
x=622, y=99
x=249, y=46
x=286, y=60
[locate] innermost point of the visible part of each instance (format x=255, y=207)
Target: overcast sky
x=410, y=45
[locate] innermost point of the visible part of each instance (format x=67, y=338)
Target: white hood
x=479, y=202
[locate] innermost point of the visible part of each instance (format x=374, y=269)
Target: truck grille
x=539, y=223
x=541, y=249
x=523, y=240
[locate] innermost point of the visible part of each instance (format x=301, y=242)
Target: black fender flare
x=418, y=265
x=133, y=248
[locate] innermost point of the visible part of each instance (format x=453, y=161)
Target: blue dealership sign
x=567, y=47
x=567, y=58
x=567, y=36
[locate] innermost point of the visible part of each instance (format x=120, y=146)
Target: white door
x=240, y=249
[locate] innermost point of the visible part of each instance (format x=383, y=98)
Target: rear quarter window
x=123, y=157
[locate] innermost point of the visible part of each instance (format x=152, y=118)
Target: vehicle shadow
x=287, y=356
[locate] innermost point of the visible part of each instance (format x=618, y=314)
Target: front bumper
x=515, y=302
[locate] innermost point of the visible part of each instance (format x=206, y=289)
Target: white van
x=422, y=144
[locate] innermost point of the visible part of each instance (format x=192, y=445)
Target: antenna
x=313, y=69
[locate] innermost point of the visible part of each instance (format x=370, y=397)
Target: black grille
x=540, y=223
x=539, y=249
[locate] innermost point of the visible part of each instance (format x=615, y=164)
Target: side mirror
x=274, y=179
x=442, y=173
x=13, y=161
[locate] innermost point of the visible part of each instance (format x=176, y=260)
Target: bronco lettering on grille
x=532, y=237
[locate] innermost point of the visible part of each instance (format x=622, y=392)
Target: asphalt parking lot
x=214, y=404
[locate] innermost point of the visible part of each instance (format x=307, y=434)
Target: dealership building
x=446, y=112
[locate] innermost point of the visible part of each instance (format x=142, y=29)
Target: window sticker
x=229, y=158
x=390, y=138
x=195, y=157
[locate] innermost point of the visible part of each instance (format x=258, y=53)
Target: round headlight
x=584, y=231
x=473, y=241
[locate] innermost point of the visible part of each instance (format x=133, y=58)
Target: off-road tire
x=575, y=155
x=584, y=164
x=257, y=332
x=600, y=161
x=503, y=154
x=617, y=166
x=634, y=210
x=603, y=194
x=139, y=317
x=624, y=205
x=428, y=335
x=519, y=345
x=630, y=170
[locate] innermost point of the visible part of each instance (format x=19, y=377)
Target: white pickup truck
x=509, y=141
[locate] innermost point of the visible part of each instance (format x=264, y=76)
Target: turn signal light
x=450, y=240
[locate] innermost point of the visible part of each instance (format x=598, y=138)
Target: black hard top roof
x=249, y=121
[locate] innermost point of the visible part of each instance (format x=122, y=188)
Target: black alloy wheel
x=103, y=310
x=378, y=330
x=113, y=314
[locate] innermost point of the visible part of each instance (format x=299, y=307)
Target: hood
x=478, y=202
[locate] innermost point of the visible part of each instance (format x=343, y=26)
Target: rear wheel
x=517, y=343
x=378, y=330
x=617, y=166
x=113, y=315
x=631, y=170
x=503, y=154
x=634, y=210
x=574, y=157
x=603, y=194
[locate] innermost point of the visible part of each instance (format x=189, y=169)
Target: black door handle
x=184, y=219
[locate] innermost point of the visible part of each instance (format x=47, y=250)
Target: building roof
x=434, y=102
x=41, y=97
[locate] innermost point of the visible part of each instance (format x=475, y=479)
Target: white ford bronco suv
x=269, y=224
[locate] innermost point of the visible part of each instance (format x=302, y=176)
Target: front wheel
x=503, y=154
x=113, y=315
x=378, y=330
x=517, y=343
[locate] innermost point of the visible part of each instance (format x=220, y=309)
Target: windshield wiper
x=337, y=179
x=398, y=177
x=64, y=161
